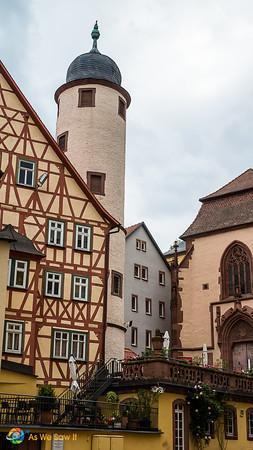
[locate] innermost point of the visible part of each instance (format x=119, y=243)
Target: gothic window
x=236, y=271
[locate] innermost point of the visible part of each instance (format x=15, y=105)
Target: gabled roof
x=228, y=208
x=61, y=155
x=243, y=182
x=130, y=230
x=19, y=242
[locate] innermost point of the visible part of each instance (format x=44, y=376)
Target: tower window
x=122, y=108
x=96, y=182
x=63, y=141
x=117, y=281
x=86, y=98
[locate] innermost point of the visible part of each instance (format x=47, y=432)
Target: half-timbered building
x=54, y=274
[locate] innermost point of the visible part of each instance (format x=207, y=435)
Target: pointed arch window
x=236, y=276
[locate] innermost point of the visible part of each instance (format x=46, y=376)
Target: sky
x=188, y=65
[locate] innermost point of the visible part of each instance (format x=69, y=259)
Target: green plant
x=132, y=410
x=46, y=398
x=112, y=397
x=206, y=407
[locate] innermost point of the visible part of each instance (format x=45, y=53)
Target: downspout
x=113, y=230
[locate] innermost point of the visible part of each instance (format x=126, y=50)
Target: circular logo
x=16, y=435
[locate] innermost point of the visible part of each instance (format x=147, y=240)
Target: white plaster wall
x=96, y=142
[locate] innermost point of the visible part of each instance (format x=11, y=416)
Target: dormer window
x=86, y=98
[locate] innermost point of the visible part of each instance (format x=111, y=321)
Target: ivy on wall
x=206, y=406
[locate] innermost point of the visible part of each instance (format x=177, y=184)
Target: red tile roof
x=243, y=182
x=132, y=228
x=228, y=207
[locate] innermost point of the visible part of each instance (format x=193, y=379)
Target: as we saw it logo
x=16, y=436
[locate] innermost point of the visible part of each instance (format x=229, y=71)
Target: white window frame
x=250, y=424
x=145, y=277
x=148, y=311
x=80, y=282
x=56, y=228
x=138, y=244
x=135, y=298
x=14, y=332
x=54, y=281
x=134, y=336
x=84, y=335
x=162, y=311
x=179, y=430
x=148, y=338
x=13, y=265
x=84, y=232
x=143, y=246
x=70, y=344
x=61, y=332
x=26, y=170
x=138, y=270
x=162, y=280
x=230, y=423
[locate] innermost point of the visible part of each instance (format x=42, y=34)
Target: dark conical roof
x=94, y=65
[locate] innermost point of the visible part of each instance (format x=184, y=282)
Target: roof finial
x=95, y=36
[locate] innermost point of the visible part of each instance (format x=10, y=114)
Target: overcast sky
x=188, y=65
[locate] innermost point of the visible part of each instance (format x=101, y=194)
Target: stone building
x=147, y=289
x=215, y=294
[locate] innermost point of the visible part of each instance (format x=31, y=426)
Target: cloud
x=188, y=66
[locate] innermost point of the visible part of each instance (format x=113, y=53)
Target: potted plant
x=115, y=420
x=46, y=402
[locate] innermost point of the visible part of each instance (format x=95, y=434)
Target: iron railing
x=57, y=412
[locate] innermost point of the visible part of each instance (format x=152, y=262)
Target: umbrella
x=204, y=356
x=166, y=343
x=74, y=374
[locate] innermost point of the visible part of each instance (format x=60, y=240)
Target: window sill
x=83, y=300
x=56, y=358
x=79, y=250
x=116, y=295
x=18, y=289
x=26, y=186
x=53, y=296
x=60, y=247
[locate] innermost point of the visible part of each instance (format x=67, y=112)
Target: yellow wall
x=133, y=441
x=17, y=383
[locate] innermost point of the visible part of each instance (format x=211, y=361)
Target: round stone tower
x=91, y=128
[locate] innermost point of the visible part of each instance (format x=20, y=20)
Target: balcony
x=60, y=412
x=185, y=374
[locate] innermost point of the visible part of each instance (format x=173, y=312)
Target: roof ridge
x=220, y=192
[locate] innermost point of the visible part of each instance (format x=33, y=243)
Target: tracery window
x=236, y=271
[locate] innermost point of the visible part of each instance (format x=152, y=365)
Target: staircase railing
x=98, y=377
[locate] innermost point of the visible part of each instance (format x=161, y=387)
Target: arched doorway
x=235, y=337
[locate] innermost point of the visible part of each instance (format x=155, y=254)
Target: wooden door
x=243, y=355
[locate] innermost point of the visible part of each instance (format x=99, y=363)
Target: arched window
x=250, y=424
x=230, y=423
x=180, y=430
x=236, y=271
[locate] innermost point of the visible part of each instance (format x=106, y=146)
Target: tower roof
x=94, y=64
